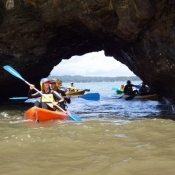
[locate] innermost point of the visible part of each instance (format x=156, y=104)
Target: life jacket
x=122, y=87
x=73, y=89
x=128, y=88
x=60, y=92
x=48, y=99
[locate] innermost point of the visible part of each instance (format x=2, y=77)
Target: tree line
x=81, y=79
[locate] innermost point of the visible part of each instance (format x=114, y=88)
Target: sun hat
x=56, y=81
x=45, y=80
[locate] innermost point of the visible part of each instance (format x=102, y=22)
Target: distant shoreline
x=84, y=79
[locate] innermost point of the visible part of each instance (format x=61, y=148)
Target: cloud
x=91, y=64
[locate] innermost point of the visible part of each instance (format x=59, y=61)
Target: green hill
x=78, y=78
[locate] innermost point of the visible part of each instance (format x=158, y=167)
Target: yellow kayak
x=79, y=92
x=144, y=97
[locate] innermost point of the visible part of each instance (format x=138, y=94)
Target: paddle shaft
x=130, y=97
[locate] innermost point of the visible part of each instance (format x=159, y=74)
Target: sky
x=91, y=64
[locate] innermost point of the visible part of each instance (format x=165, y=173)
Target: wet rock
x=35, y=35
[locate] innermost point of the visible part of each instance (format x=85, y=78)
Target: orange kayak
x=42, y=115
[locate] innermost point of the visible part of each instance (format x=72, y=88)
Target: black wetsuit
x=63, y=104
x=128, y=89
x=144, y=90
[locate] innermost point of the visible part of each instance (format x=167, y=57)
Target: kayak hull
x=43, y=115
x=144, y=97
x=118, y=91
x=81, y=92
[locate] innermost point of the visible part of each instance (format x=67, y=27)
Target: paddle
x=18, y=98
x=32, y=100
x=16, y=74
x=89, y=96
x=114, y=88
x=130, y=97
x=121, y=96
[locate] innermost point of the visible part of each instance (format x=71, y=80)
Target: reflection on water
x=115, y=136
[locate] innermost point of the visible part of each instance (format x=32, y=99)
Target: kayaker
x=54, y=97
x=128, y=90
x=72, y=88
x=55, y=85
x=122, y=87
x=144, y=90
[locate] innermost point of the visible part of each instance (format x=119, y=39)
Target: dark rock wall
x=35, y=35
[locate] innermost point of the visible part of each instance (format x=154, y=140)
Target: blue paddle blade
x=76, y=118
x=114, y=88
x=13, y=72
x=18, y=98
x=91, y=96
x=32, y=100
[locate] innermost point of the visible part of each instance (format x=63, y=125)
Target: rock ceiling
x=35, y=35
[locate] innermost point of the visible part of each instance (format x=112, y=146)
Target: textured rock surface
x=36, y=35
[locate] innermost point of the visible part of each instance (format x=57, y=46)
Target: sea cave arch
x=35, y=35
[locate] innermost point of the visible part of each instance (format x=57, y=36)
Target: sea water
x=116, y=136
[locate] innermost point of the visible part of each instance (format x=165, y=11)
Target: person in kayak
x=50, y=98
x=144, y=89
x=128, y=89
x=72, y=88
x=55, y=85
x=122, y=87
